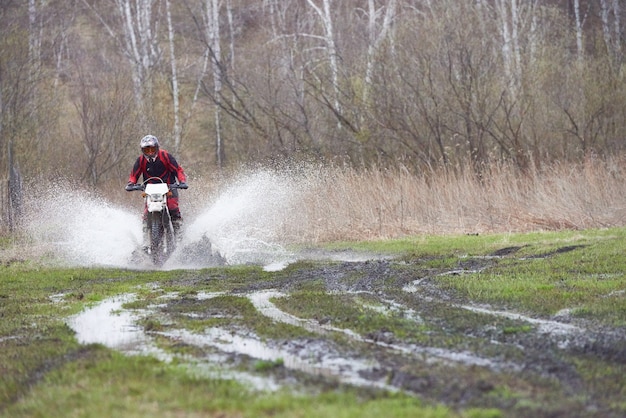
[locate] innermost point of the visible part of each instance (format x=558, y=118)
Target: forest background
x=428, y=116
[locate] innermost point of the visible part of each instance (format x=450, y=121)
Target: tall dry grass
x=336, y=203
x=346, y=204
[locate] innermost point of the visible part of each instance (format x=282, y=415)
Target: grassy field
x=462, y=287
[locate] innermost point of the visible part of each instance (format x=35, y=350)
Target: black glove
x=182, y=185
x=130, y=187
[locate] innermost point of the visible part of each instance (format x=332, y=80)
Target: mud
x=452, y=351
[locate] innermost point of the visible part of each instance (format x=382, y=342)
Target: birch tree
x=272, y=12
x=579, y=21
x=517, y=25
x=376, y=36
x=213, y=54
x=508, y=25
x=175, y=91
x=612, y=31
x=292, y=58
x=106, y=120
x=137, y=38
x=27, y=116
x=325, y=16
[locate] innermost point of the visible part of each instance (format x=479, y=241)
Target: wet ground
x=378, y=324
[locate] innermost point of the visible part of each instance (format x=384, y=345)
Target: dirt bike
x=158, y=220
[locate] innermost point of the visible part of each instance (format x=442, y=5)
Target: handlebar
x=134, y=187
x=142, y=186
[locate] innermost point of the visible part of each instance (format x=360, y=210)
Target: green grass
x=348, y=312
x=446, y=245
x=584, y=272
x=548, y=272
x=45, y=372
x=100, y=383
x=230, y=311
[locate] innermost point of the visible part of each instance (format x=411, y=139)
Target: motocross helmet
x=149, y=146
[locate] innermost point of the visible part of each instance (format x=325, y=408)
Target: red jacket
x=163, y=166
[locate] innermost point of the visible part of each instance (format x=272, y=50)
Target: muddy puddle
x=109, y=324
x=543, y=325
x=451, y=352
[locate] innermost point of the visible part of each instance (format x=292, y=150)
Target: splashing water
x=80, y=228
x=244, y=224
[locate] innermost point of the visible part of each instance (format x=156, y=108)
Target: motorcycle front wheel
x=169, y=239
x=155, y=226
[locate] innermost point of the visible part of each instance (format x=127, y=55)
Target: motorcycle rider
x=156, y=164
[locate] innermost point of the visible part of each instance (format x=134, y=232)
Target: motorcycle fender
x=155, y=206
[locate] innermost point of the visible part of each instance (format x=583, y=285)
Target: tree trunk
x=14, y=189
x=212, y=26
x=331, y=47
x=175, y=93
x=376, y=38
x=580, y=49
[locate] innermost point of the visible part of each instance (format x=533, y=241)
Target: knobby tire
x=169, y=238
x=162, y=239
x=156, y=236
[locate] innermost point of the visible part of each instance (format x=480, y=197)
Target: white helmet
x=149, y=146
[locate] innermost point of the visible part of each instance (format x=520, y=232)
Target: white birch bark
x=376, y=37
x=533, y=40
x=617, y=27
x=141, y=43
x=579, y=31
x=483, y=13
x=231, y=31
x=517, y=24
x=611, y=32
x=606, y=30
x=175, y=91
x=138, y=41
x=325, y=16
x=506, y=23
x=212, y=27
x=270, y=5
x=515, y=41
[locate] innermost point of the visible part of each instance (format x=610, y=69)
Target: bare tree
x=107, y=124
x=14, y=191
x=135, y=28
x=326, y=19
x=175, y=89
x=438, y=82
x=579, y=22
x=376, y=36
x=612, y=32
x=213, y=53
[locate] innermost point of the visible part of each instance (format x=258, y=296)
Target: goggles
x=149, y=150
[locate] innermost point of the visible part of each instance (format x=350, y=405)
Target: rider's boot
x=177, y=224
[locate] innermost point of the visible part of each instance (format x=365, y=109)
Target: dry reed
x=345, y=204
x=336, y=203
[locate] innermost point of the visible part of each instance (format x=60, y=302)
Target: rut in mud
x=379, y=325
